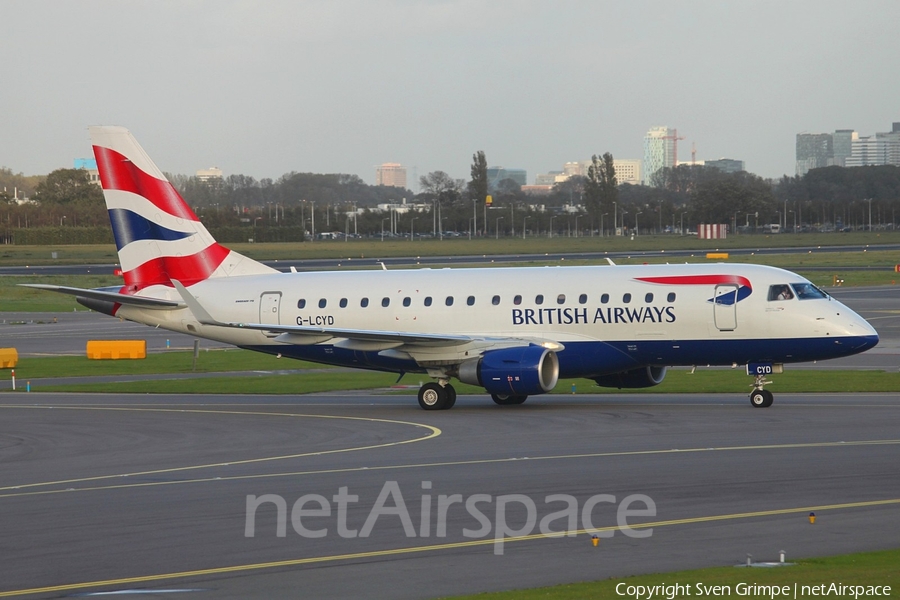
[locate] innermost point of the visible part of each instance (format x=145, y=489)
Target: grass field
x=867, y=569
x=106, y=254
x=678, y=381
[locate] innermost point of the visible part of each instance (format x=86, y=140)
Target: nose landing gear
x=759, y=397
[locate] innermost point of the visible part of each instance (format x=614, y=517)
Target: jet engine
x=641, y=377
x=519, y=371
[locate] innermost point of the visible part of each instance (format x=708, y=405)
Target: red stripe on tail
x=186, y=269
x=117, y=172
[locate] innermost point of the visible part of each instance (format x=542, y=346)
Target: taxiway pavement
x=137, y=492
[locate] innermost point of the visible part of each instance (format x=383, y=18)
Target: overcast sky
x=265, y=88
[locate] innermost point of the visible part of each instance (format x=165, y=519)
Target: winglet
x=203, y=317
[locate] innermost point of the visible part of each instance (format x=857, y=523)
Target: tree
x=69, y=186
x=478, y=186
x=441, y=187
x=602, y=186
x=740, y=194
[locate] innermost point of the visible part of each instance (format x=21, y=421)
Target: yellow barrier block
x=116, y=349
x=720, y=255
x=8, y=358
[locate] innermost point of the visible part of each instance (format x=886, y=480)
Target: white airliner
x=512, y=331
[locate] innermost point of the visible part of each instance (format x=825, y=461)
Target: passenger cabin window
x=364, y=302
x=495, y=300
x=582, y=299
x=407, y=301
x=671, y=297
x=449, y=301
x=807, y=291
x=517, y=300
x=470, y=300
x=385, y=302
x=604, y=299
x=301, y=303
x=780, y=292
x=322, y=302
x=648, y=298
x=427, y=300
x=561, y=299
x=343, y=303
x=539, y=299
x=626, y=298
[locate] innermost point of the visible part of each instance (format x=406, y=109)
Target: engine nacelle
x=641, y=377
x=519, y=371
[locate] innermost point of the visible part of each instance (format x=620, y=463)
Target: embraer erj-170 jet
x=512, y=331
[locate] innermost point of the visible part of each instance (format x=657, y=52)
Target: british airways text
x=609, y=315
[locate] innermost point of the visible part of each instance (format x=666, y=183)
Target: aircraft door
x=269, y=308
x=725, y=307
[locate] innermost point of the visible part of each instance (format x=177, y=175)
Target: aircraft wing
x=415, y=344
x=109, y=296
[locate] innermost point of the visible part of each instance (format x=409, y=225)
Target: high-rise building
x=878, y=149
x=843, y=145
x=814, y=150
x=393, y=174
x=659, y=150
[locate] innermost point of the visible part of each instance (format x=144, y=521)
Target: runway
x=137, y=492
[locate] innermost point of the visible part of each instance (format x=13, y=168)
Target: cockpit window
x=780, y=292
x=807, y=291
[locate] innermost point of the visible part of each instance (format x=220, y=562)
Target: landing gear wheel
x=451, y=396
x=506, y=399
x=761, y=398
x=434, y=396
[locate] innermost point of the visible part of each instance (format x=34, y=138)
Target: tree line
x=296, y=204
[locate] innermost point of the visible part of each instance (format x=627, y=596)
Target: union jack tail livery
x=158, y=236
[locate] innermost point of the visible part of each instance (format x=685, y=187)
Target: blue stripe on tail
x=129, y=226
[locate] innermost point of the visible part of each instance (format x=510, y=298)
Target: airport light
x=412, y=228
x=497, y=226
x=550, y=232
x=382, y=229
x=601, y=224
x=523, y=226
x=637, y=230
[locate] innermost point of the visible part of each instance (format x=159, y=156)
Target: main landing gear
x=438, y=395
x=506, y=399
x=759, y=397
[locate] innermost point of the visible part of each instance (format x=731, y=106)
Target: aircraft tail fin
x=158, y=236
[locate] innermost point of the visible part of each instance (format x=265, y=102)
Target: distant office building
x=659, y=150
x=814, y=151
x=393, y=174
x=497, y=174
x=550, y=178
x=843, y=145
x=210, y=173
x=628, y=170
x=89, y=165
x=726, y=165
x=878, y=149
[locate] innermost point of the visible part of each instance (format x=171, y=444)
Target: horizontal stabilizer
x=107, y=296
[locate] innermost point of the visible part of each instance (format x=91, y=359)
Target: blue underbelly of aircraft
x=586, y=359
